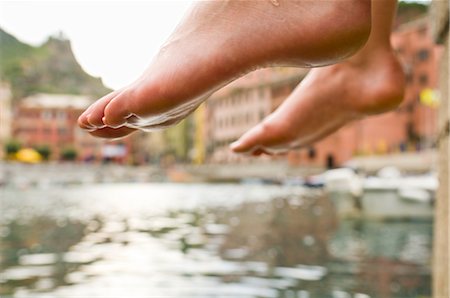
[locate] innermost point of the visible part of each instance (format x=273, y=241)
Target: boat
x=387, y=195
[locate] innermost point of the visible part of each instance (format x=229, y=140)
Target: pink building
x=420, y=58
x=51, y=120
x=48, y=119
x=5, y=115
x=241, y=105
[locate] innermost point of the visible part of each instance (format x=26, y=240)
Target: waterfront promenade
x=77, y=173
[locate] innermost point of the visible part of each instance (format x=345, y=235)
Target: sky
x=114, y=40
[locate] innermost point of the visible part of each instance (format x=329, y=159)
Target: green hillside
x=410, y=11
x=50, y=68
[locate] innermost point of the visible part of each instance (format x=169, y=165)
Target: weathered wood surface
x=441, y=260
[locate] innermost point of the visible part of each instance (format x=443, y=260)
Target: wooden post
x=441, y=261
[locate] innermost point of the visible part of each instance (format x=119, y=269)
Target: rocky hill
x=410, y=11
x=49, y=68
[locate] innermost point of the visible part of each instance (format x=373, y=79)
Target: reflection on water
x=173, y=240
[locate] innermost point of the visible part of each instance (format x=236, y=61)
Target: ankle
x=386, y=92
x=371, y=56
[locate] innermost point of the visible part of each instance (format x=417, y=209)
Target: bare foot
x=328, y=98
x=220, y=41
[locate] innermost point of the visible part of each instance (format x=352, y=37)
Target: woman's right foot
x=220, y=41
x=328, y=98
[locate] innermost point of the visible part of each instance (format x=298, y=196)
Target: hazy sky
x=114, y=40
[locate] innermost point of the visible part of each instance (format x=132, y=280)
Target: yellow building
x=200, y=135
x=5, y=115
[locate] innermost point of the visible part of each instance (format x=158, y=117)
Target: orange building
x=233, y=110
x=5, y=115
x=49, y=120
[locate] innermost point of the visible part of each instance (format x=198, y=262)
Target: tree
x=69, y=154
x=12, y=147
x=44, y=151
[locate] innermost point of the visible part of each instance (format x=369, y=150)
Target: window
x=311, y=153
x=423, y=79
x=408, y=77
x=423, y=54
x=46, y=114
x=62, y=131
x=61, y=115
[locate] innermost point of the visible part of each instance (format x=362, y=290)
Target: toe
x=83, y=119
x=252, y=141
x=96, y=114
x=117, y=110
x=112, y=133
x=92, y=117
x=83, y=123
x=267, y=137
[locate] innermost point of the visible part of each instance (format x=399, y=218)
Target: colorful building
x=50, y=120
x=233, y=110
x=5, y=115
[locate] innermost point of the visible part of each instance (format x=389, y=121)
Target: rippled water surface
x=202, y=240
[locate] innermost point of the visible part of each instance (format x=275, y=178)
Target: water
x=202, y=240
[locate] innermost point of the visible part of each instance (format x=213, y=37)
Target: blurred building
x=51, y=120
x=198, y=153
x=5, y=115
x=239, y=106
x=233, y=110
x=420, y=59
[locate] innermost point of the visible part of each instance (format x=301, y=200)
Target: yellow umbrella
x=28, y=155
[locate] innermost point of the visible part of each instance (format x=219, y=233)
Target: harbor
x=69, y=237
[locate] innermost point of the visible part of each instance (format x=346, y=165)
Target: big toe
x=92, y=118
x=249, y=141
x=266, y=137
x=117, y=110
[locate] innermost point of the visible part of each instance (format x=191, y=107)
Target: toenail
x=109, y=124
x=86, y=127
x=91, y=129
x=235, y=144
x=88, y=116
